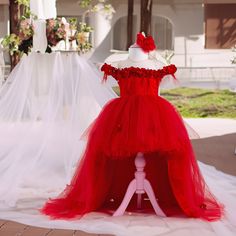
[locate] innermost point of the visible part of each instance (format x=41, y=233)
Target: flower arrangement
x=83, y=27
x=101, y=6
x=26, y=32
x=11, y=43
x=55, y=31
x=82, y=38
x=26, y=29
x=73, y=23
x=22, y=42
x=104, y=8
x=58, y=29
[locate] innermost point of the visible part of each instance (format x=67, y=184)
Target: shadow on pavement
x=218, y=151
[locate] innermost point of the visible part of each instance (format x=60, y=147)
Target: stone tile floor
x=8, y=228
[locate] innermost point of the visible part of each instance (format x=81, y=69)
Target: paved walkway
x=8, y=228
x=209, y=127
x=217, y=145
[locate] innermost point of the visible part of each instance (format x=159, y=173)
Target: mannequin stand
x=139, y=185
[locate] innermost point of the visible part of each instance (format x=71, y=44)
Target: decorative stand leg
x=139, y=185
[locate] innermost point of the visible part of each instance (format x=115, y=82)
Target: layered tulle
x=46, y=104
x=128, y=125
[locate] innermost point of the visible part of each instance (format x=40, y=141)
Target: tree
x=14, y=11
x=17, y=9
x=146, y=16
x=130, y=23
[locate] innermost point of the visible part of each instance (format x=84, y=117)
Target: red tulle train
x=138, y=121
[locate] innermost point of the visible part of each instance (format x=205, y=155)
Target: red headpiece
x=146, y=43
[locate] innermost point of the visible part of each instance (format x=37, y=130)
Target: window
x=120, y=33
x=162, y=32
x=220, y=25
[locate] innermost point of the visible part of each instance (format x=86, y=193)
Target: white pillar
x=101, y=26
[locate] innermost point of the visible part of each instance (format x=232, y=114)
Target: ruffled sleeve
x=109, y=70
x=169, y=70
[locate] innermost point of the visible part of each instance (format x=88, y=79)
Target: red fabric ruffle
x=137, y=72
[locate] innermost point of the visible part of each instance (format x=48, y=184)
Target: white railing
x=209, y=77
x=206, y=73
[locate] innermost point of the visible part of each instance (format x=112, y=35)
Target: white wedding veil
x=46, y=104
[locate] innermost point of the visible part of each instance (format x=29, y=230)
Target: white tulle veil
x=46, y=104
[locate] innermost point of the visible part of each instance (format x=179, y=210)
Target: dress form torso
x=138, y=58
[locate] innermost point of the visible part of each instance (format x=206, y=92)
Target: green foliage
x=83, y=27
x=11, y=42
x=55, y=31
x=192, y=102
x=26, y=8
x=82, y=38
x=25, y=3
x=22, y=42
x=85, y=3
x=73, y=23
x=84, y=47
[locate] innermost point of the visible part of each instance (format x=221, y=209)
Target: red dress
x=138, y=121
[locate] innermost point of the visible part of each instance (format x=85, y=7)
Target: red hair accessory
x=146, y=43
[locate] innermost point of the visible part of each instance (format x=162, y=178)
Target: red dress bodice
x=142, y=86
x=138, y=81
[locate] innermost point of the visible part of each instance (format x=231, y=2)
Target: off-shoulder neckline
x=118, y=73
x=138, y=68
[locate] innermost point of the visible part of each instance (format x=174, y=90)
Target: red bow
x=146, y=43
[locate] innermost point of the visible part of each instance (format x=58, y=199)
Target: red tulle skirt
x=126, y=126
